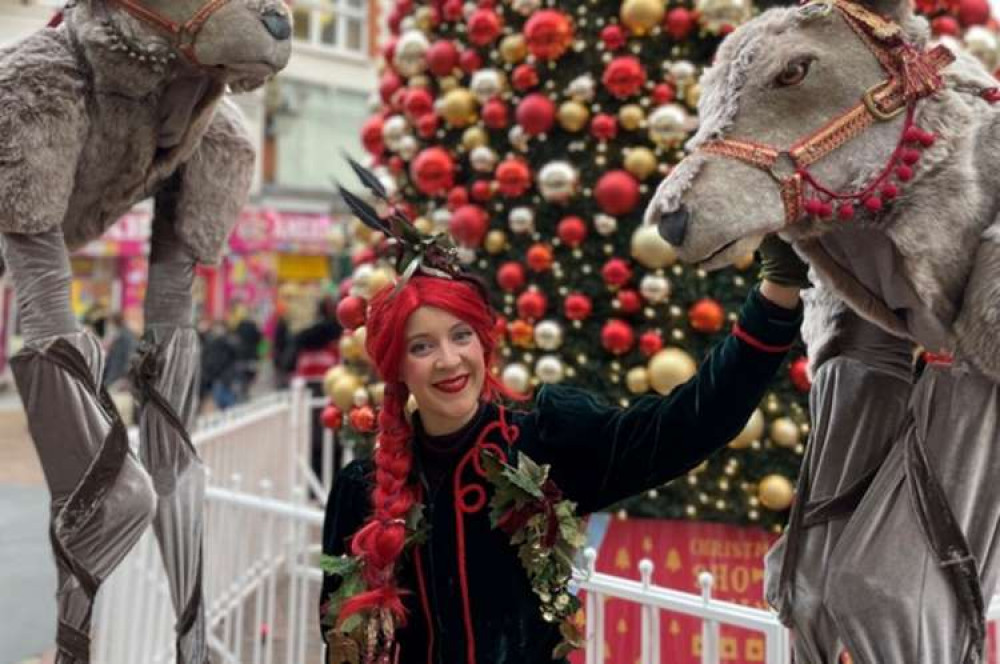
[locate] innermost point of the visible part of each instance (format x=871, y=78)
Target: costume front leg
x=165, y=375
x=857, y=405
x=102, y=499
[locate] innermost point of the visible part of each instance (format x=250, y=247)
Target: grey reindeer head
x=775, y=81
x=240, y=42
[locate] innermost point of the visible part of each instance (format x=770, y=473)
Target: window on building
x=334, y=24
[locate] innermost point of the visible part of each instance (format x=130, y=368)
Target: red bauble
x=344, y=287
x=396, y=164
x=629, y=301
x=433, y=171
x=427, y=125
x=604, y=127
x=388, y=84
x=362, y=419
x=371, y=135
x=524, y=77
x=548, y=34
x=536, y=113
x=442, y=57
x=572, y=231
x=798, y=372
x=457, y=197
x=624, y=76
x=680, y=22
x=452, y=10
x=973, y=12
x=351, y=312
x=394, y=21
x=539, y=257
x=482, y=191
x=418, y=102
x=663, y=93
x=332, y=417
x=706, y=316
x=510, y=276
x=500, y=327
x=470, y=61
x=946, y=25
x=389, y=49
x=362, y=255
x=577, y=306
x=532, y=304
x=483, y=27
x=468, y=224
x=513, y=177
x=613, y=37
x=617, y=336
x=650, y=343
x=617, y=192
x=616, y=272
x=495, y=114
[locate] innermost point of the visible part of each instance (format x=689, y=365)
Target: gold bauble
x=692, y=95
x=352, y=346
x=447, y=84
x=474, y=137
x=650, y=249
x=640, y=162
x=361, y=232
x=379, y=279
x=573, y=116
x=378, y=393
x=423, y=18
x=641, y=16
x=668, y=125
x=424, y=225
x=776, y=492
x=343, y=391
x=744, y=262
x=513, y=48
x=631, y=116
x=784, y=432
x=332, y=376
x=718, y=14
x=458, y=107
x=637, y=380
x=752, y=430
x=669, y=368
x=496, y=242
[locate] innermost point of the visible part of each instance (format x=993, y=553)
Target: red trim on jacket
x=425, y=604
x=754, y=342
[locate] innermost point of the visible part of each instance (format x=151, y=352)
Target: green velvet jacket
x=598, y=455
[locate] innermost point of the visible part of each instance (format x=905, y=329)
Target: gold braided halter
x=182, y=34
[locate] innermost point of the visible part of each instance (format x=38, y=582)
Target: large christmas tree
x=535, y=135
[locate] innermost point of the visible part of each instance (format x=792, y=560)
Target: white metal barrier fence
x=262, y=535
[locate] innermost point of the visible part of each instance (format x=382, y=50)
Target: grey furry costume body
x=96, y=115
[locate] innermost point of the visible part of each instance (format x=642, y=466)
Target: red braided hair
x=380, y=540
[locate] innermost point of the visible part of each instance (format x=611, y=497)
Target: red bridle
x=912, y=75
x=182, y=34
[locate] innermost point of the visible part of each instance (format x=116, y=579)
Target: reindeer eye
x=794, y=73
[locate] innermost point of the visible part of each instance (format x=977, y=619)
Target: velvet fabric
x=598, y=455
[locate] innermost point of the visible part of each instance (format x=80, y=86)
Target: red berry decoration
x=432, y=171
x=617, y=192
x=572, y=231
x=418, y=102
x=513, y=177
x=371, y=135
x=629, y=301
x=613, y=37
x=664, y=93
x=604, y=127
x=539, y=257
x=442, y=57
x=332, y=417
x=577, y=306
x=532, y=304
x=706, y=316
x=616, y=272
x=798, y=372
x=469, y=224
x=650, y=343
x=510, y=276
x=617, y=336
x=351, y=312
x=679, y=23
x=536, y=113
x=548, y=33
x=624, y=76
x=362, y=419
x=524, y=78
x=484, y=27
x=495, y=114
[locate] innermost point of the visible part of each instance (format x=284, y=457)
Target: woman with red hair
x=452, y=544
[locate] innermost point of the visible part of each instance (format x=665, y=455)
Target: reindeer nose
x=277, y=24
x=673, y=226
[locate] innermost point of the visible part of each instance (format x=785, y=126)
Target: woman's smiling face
x=443, y=368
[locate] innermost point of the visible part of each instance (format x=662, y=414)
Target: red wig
x=380, y=541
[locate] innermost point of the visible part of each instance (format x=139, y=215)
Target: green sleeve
x=601, y=454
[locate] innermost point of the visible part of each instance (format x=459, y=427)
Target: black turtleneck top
x=477, y=606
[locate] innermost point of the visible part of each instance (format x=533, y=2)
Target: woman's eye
x=419, y=349
x=794, y=73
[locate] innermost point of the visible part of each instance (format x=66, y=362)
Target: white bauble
x=516, y=377
x=521, y=220
x=558, y=181
x=483, y=159
x=410, y=56
x=605, y=224
x=655, y=288
x=550, y=369
x=548, y=335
